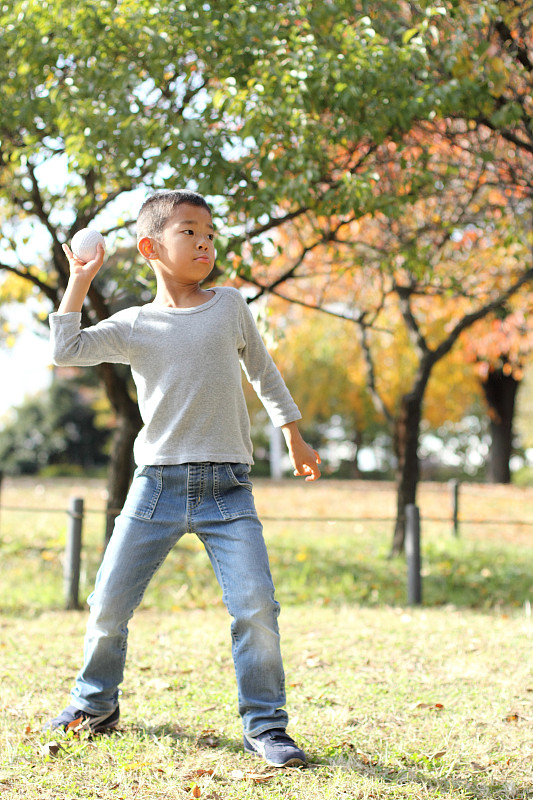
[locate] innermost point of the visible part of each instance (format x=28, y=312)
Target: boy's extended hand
x=304, y=459
x=84, y=269
x=81, y=276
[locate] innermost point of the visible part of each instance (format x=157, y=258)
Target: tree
x=53, y=428
x=491, y=43
x=323, y=362
x=481, y=83
x=499, y=350
x=236, y=100
x=452, y=258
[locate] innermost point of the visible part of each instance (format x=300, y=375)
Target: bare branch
x=415, y=334
x=28, y=276
x=274, y=222
x=327, y=236
x=378, y=400
x=468, y=320
x=504, y=32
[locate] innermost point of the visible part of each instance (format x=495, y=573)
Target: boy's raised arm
x=81, y=276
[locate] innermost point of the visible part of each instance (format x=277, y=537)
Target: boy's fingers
x=311, y=471
x=97, y=261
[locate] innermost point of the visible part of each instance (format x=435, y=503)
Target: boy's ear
x=146, y=247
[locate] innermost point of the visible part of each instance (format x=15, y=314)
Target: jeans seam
x=148, y=512
x=219, y=496
x=225, y=595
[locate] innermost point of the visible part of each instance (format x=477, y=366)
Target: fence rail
x=77, y=511
x=269, y=518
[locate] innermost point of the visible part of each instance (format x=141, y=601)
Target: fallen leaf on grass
x=261, y=777
x=513, y=716
x=197, y=773
x=364, y=758
x=256, y=777
x=478, y=767
x=438, y=754
x=159, y=685
x=313, y=662
x=432, y=706
x=50, y=749
x=208, y=738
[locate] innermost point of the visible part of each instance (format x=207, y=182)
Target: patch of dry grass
x=389, y=702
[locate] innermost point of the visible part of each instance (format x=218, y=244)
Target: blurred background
x=370, y=170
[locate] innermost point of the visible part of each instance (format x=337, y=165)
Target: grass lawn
x=389, y=702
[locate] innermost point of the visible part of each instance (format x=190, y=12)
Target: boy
x=193, y=455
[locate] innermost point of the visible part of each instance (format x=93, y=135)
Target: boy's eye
x=190, y=232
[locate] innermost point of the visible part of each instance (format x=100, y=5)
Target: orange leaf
x=512, y=717
x=261, y=777
x=197, y=773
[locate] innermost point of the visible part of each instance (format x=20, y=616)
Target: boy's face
x=185, y=251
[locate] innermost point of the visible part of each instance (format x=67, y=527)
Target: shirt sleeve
x=108, y=341
x=263, y=374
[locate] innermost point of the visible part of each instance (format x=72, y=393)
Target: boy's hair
x=156, y=210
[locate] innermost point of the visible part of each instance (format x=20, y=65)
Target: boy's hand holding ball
x=87, y=253
x=85, y=242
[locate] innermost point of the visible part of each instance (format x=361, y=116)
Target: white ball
x=84, y=243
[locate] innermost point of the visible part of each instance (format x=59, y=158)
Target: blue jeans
x=215, y=502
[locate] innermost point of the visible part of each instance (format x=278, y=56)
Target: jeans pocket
x=239, y=475
x=233, y=491
x=144, y=492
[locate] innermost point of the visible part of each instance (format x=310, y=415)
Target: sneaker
x=276, y=747
x=73, y=719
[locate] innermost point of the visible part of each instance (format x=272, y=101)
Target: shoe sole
x=103, y=728
x=292, y=762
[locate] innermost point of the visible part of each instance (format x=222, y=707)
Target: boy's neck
x=176, y=296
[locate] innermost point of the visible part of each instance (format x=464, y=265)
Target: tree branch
x=27, y=275
x=504, y=32
x=379, y=402
x=468, y=320
x=415, y=334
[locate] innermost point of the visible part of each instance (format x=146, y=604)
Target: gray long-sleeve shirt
x=186, y=364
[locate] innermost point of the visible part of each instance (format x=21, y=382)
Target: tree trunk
x=358, y=443
x=406, y=435
x=500, y=392
x=128, y=425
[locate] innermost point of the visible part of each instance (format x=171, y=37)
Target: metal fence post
x=71, y=567
x=412, y=552
x=454, y=485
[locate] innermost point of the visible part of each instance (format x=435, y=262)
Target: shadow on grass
x=209, y=739
x=459, y=786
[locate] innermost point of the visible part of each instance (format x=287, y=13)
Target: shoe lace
x=279, y=735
